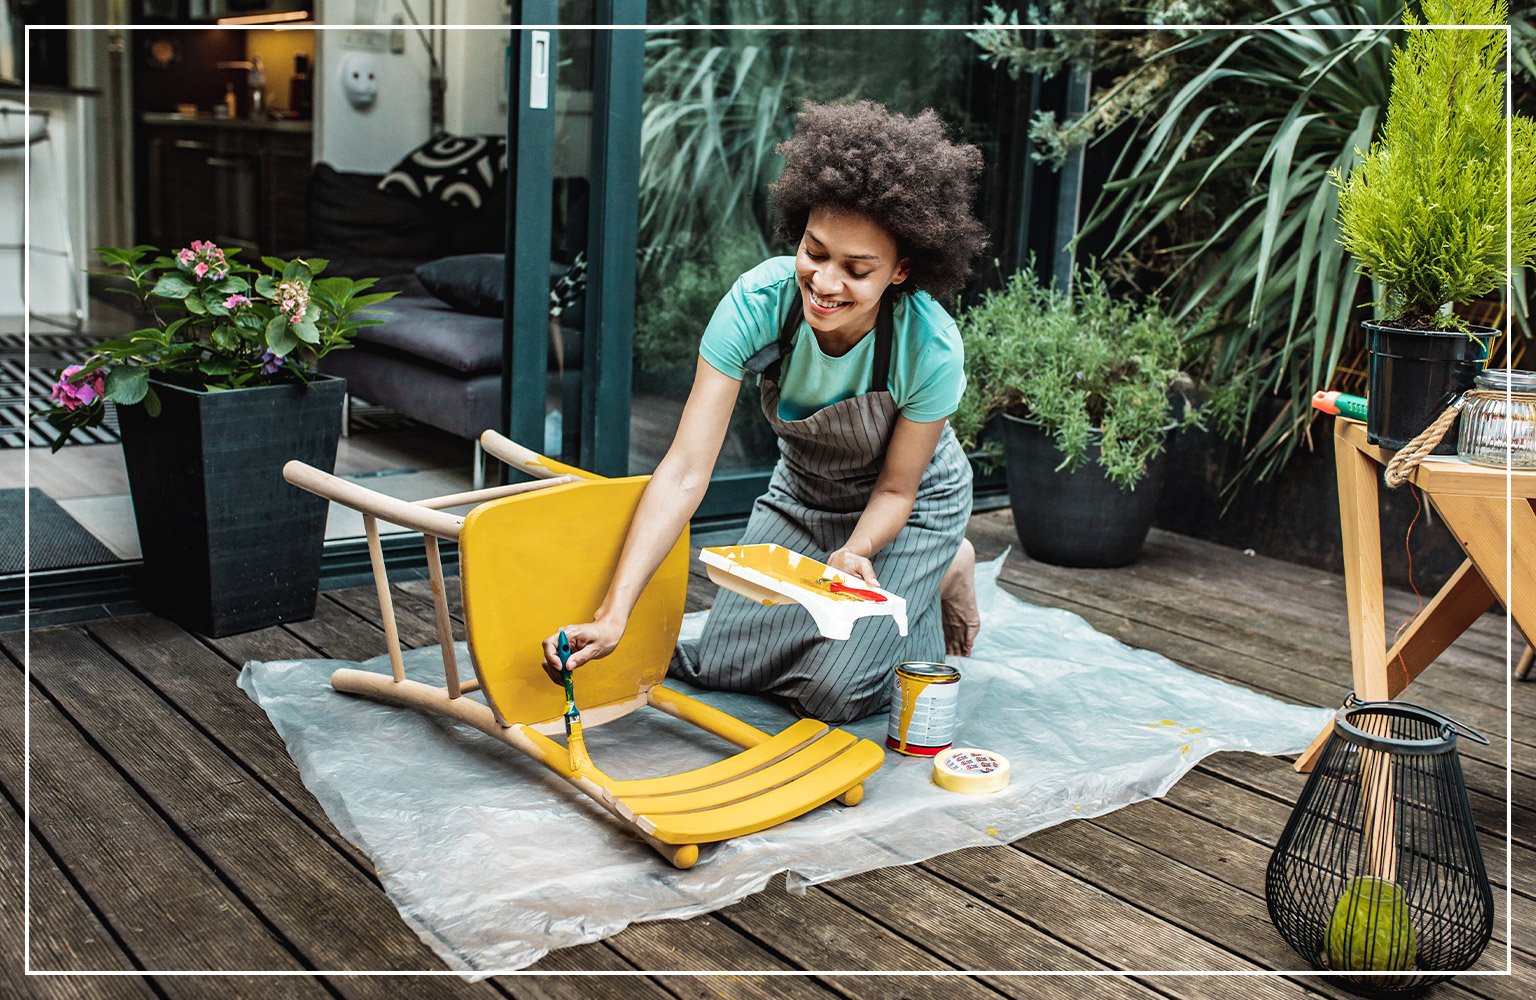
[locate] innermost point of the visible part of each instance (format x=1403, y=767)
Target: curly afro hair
x=901, y=172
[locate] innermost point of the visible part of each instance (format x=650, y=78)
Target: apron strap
x=884, y=334
x=769, y=360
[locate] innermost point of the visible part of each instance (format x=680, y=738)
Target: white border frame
x=1508, y=970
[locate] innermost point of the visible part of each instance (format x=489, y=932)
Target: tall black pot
x=1079, y=518
x=1414, y=375
x=228, y=545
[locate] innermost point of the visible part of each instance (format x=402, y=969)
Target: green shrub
x=670, y=317
x=1424, y=211
x=1083, y=365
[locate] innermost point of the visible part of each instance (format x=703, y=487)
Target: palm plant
x=1221, y=193
x=712, y=118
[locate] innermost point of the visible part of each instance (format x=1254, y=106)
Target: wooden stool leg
x=1523, y=668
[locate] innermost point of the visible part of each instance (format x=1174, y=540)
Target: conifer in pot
x=1424, y=212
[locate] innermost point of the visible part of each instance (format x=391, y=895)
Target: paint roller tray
x=771, y=574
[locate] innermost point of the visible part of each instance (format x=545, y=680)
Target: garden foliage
x=1220, y=145
x=1084, y=365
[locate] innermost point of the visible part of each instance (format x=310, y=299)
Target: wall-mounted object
x=360, y=79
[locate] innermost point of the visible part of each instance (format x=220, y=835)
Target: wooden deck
x=171, y=831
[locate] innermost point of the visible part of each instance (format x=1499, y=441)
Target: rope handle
x=1408, y=458
x=1401, y=467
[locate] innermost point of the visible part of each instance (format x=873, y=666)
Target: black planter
x=1414, y=375
x=228, y=545
x=1076, y=518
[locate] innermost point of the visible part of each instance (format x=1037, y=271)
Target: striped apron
x=828, y=464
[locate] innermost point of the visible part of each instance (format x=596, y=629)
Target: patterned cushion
x=462, y=171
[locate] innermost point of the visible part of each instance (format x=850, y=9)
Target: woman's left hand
x=854, y=564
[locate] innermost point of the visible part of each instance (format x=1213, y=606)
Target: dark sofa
x=430, y=361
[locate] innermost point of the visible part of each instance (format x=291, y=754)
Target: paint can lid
x=926, y=670
x=970, y=770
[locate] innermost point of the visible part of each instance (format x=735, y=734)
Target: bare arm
x=670, y=499
x=890, y=502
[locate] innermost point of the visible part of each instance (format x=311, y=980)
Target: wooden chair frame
x=773, y=779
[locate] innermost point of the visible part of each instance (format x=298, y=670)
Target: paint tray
x=771, y=574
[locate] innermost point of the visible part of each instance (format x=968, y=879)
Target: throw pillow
x=461, y=171
x=474, y=283
x=349, y=215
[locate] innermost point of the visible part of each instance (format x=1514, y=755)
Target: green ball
x=1370, y=929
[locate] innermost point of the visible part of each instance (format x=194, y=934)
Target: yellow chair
x=535, y=556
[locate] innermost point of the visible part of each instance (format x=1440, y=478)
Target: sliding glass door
x=574, y=130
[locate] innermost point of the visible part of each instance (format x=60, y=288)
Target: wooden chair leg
x=1523, y=668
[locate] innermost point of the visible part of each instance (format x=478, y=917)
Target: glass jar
x=1500, y=430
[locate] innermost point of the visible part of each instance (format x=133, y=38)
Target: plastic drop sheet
x=494, y=861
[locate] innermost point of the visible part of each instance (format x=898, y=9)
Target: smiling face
x=844, y=264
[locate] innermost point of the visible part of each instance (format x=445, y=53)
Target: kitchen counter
x=290, y=125
x=6, y=87
x=256, y=173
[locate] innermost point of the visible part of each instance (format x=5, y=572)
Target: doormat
x=50, y=354
x=493, y=861
x=58, y=540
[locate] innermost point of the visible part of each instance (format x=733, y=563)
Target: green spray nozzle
x=1335, y=402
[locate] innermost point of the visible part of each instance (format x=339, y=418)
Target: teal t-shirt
x=927, y=359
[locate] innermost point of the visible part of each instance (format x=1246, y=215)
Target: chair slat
x=821, y=752
x=770, y=808
x=790, y=741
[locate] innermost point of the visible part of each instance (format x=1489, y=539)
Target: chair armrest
x=493, y=493
x=360, y=498
x=525, y=460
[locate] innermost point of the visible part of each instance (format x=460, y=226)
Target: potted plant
x=213, y=396
x=1423, y=213
x=1088, y=387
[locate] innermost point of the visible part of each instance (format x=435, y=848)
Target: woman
x=859, y=367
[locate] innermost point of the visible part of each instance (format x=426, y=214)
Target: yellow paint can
x=925, y=703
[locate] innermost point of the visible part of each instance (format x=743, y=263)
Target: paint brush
x=575, y=745
x=853, y=593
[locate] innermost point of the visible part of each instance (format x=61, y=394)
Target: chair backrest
x=533, y=563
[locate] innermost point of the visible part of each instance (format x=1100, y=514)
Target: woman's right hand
x=591, y=641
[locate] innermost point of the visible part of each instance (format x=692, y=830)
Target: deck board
x=151, y=770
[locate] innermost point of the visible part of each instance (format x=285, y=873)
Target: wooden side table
x=1471, y=500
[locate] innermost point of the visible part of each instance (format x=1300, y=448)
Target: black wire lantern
x=1378, y=870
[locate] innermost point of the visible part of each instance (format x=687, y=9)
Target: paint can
x=925, y=702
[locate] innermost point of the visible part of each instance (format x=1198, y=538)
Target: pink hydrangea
x=72, y=395
x=237, y=301
x=204, y=260
x=292, y=299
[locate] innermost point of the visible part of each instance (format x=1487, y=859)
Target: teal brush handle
x=575, y=746
x=563, y=650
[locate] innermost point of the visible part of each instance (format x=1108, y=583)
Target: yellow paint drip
x=788, y=566
x=911, y=690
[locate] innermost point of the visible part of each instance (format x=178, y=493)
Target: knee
x=839, y=702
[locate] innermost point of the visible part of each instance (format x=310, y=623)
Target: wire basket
x=1378, y=870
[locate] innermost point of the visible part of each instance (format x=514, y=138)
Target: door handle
x=538, y=70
